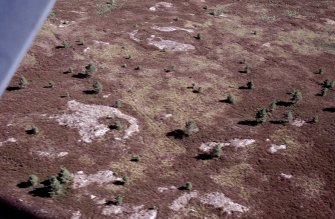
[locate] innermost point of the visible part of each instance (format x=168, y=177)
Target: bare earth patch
x=169, y=44
x=298, y=122
x=170, y=29
x=215, y=199
x=76, y=215
x=208, y=147
x=275, y=148
x=84, y=117
x=80, y=179
x=219, y=200
x=136, y=212
x=286, y=176
x=160, y=5
x=9, y=140
x=182, y=201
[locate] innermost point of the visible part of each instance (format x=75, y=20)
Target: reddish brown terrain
x=279, y=169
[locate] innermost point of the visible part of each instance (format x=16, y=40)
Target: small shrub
x=34, y=130
x=324, y=92
x=135, y=159
x=296, y=96
x=65, y=95
x=125, y=180
x=191, y=128
x=33, y=180
x=272, y=106
x=288, y=116
x=119, y=200
x=231, y=99
x=246, y=69
x=51, y=84
x=55, y=188
x=80, y=42
x=332, y=84
x=217, y=152
x=90, y=69
x=250, y=84
x=197, y=89
x=124, y=65
x=327, y=84
x=108, y=6
x=218, y=12
x=315, y=119
x=128, y=57
x=97, y=87
x=169, y=68
x=198, y=36
x=64, y=176
x=65, y=45
x=118, y=125
x=176, y=19
x=23, y=82
x=321, y=71
x=261, y=116
x=243, y=61
x=138, y=68
x=188, y=186
x=118, y=104
x=69, y=71
x=52, y=14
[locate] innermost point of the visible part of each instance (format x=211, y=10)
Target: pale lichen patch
x=170, y=45
x=85, y=118
x=80, y=179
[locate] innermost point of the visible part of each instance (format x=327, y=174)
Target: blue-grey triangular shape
x=20, y=21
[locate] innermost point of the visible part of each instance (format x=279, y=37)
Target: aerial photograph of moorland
x=176, y=109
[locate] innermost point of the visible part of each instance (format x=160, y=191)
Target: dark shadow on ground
x=203, y=157
x=329, y=109
x=81, y=76
x=40, y=192
x=89, y=92
x=224, y=101
x=183, y=188
x=248, y=122
x=13, y=88
x=284, y=103
x=23, y=185
x=177, y=134
x=30, y=131
x=243, y=88
x=277, y=122
x=119, y=183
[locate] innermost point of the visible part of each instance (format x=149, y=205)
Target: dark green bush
x=188, y=186
x=33, y=180
x=231, y=99
x=90, y=69
x=64, y=176
x=97, y=87
x=288, y=116
x=250, y=84
x=119, y=200
x=191, y=128
x=261, y=116
x=296, y=96
x=54, y=188
x=23, y=82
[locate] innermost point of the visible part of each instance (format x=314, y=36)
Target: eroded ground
x=274, y=170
